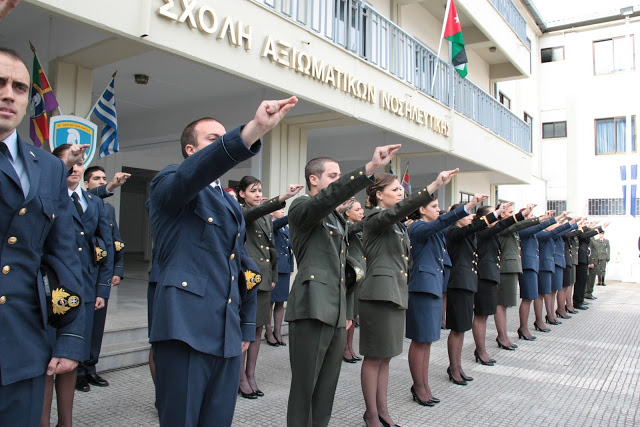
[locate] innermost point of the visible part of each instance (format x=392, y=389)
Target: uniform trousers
x=21, y=402
x=591, y=281
x=194, y=388
x=315, y=353
x=97, y=332
x=581, y=283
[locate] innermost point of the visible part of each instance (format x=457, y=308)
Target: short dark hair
x=455, y=206
x=189, y=136
x=245, y=183
x=90, y=171
x=12, y=54
x=483, y=211
x=316, y=167
x=60, y=150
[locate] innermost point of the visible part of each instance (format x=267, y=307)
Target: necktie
x=76, y=202
x=5, y=150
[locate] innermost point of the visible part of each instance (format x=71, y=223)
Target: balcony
x=361, y=30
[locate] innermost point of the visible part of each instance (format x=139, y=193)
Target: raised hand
x=443, y=178
x=292, y=190
x=528, y=209
x=118, y=179
x=268, y=115
x=503, y=207
x=477, y=199
x=75, y=154
x=381, y=157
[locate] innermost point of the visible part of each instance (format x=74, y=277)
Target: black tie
x=5, y=150
x=76, y=202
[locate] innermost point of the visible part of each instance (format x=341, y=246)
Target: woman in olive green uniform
x=261, y=249
x=384, y=291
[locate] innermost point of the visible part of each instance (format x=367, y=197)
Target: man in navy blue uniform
x=35, y=218
x=95, y=178
x=203, y=308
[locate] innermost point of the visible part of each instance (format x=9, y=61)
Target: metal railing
x=484, y=109
x=360, y=29
x=514, y=18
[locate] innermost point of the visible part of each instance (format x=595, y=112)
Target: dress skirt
x=281, y=292
x=263, y=311
x=459, y=309
x=381, y=328
x=424, y=316
x=486, y=299
x=556, y=279
x=508, y=290
x=569, y=275
x=447, y=273
x=529, y=284
x=544, y=282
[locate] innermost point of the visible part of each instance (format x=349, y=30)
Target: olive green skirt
x=263, y=312
x=381, y=328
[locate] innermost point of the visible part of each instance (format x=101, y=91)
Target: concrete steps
x=124, y=347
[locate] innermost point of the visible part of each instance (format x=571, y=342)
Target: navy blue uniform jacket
x=529, y=245
x=40, y=223
x=547, y=247
x=201, y=297
x=428, y=251
x=283, y=245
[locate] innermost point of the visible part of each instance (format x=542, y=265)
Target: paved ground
x=584, y=373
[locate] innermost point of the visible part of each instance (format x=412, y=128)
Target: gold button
x=3, y=299
x=261, y=259
x=261, y=247
x=267, y=247
x=419, y=193
x=82, y=233
x=341, y=251
x=406, y=275
x=22, y=211
x=209, y=220
x=233, y=278
x=361, y=173
x=342, y=265
x=238, y=235
x=232, y=256
x=12, y=240
x=53, y=216
x=6, y=269
x=229, y=301
x=184, y=284
x=259, y=235
x=342, y=279
x=331, y=232
x=267, y=259
x=352, y=178
x=79, y=249
x=313, y=277
x=401, y=271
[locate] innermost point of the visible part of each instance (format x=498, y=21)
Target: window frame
x=615, y=134
x=554, y=129
x=552, y=49
x=614, y=71
x=502, y=97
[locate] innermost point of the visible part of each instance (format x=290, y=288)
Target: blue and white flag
x=105, y=110
x=630, y=206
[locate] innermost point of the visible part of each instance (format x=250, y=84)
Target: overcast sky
x=579, y=10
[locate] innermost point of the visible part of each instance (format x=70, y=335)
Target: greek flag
x=633, y=169
x=105, y=110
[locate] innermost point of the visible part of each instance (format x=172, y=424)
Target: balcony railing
x=360, y=29
x=514, y=18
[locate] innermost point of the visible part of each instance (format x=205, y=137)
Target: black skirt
x=459, y=309
x=486, y=299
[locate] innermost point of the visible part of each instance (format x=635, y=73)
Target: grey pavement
x=584, y=372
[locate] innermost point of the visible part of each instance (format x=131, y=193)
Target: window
x=552, y=54
x=557, y=205
x=529, y=120
x=613, y=55
x=504, y=100
x=467, y=197
x=611, y=135
x=606, y=207
x=554, y=130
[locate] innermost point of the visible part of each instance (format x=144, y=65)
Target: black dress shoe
x=82, y=384
x=590, y=297
x=521, y=335
x=580, y=306
x=272, y=344
x=421, y=402
x=538, y=328
x=466, y=378
x=251, y=395
x=352, y=360
x=482, y=362
x=258, y=393
x=386, y=424
x=453, y=380
x=434, y=400
x=95, y=379
x=505, y=347
x=281, y=343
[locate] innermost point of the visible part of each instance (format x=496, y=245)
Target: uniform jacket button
x=12, y=240
x=22, y=211
x=6, y=269
x=3, y=299
x=79, y=249
x=184, y=284
x=313, y=277
x=232, y=256
x=209, y=220
x=229, y=301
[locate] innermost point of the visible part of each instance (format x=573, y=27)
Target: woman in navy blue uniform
x=557, y=279
x=463, y=283
x=280, y=293
x=486, y=297
x=545, y=273
x=447, y=272
x=530, y=267
x=426, y=277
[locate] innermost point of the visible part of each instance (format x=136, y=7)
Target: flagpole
x=33, y=49
x=113, y=76
x=444, y=25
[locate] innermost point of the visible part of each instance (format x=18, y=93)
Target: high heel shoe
x=251, y=395
x=421, y=402
x=466, y=378
x=538, y=328
x=479, y=359
x=258, y=393
x=434, y=400
x=272, y=344
x=453, y=380
x=349, y=360
x=574, y=311
x=524, y=337
x=546, y=318
x=386, y=424
x=364, y=417
x=566, y=316
x=504, y=347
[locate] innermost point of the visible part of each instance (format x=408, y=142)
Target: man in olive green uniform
x=594, y=256
x=605, y=257
x=316, y=309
